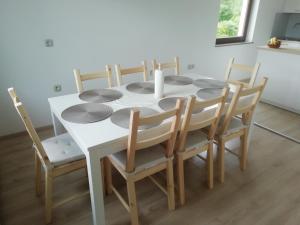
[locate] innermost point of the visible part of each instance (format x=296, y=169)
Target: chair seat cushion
x=195, y=139
x=144, y=158
x=62, y=149
x=235, y=125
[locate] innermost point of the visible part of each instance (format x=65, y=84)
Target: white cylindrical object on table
x=159, y=84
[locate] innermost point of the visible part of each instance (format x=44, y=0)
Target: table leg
x=57, y=126
x=96, y=188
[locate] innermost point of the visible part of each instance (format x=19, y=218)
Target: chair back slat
x=243, y=103
x=132, y=70
x=153, y=141
x=120, y=72
x=80, y=77
x=241, y=110
x=157, y=118
x=92, y=76
x=198, y=105
x=169, y=136
x=243, y=68
x=168, y=65
x=27, y=122
x=202, y=124
x=250, y=91
x=206, y=118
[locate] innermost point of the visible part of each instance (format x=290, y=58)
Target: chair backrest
x=243, y=103
x=27, y=122
x=132, y=70
x=135, y=143
x=209, y=117
x=169, y=65
x=253, y=71
x=80, y=77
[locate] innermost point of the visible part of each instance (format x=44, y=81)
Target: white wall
x=90, y=34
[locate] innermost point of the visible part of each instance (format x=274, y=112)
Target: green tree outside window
x=229, y=18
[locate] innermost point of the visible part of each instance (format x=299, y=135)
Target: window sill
x=236, y=43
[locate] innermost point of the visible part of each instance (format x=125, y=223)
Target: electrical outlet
x=49, y=43
x=57, y=88
x=190, y=66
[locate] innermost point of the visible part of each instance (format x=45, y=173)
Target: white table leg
x=96, y=189
x=57, y=126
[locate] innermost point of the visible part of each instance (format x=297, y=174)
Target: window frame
x=238, y=39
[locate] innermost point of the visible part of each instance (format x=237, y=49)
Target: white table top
x=105, y=136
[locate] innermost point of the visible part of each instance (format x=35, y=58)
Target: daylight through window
x=233, y=21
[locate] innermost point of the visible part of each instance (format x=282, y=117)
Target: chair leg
x=38, y=174
x=210, y=166
x=170, y=185
x=48, y=196
x=244, y=150
x=180, y=179
x=108, y=176
x=132, y=202
x=221, y=153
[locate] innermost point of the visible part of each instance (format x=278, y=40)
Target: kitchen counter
x=281, y=49
x=282, y=67
x=291, y=47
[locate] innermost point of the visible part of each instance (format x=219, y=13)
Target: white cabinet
x=283, y=71
x=292, y=6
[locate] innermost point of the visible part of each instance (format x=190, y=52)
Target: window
x=233, y=21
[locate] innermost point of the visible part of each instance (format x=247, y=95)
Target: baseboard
x=22, y=133
x=280, y=106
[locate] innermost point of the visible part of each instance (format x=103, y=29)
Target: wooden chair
x=145, y=156
x=243, y=68
x=58, y=155
x=243, y=103
x=80, y=77
x=192, y=140
x=168, y=65
x=133, y=70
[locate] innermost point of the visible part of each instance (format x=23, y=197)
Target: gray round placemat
x=209, y=83
x=141, y=87
x=86, y=113
x=100, y=95
x=178, y=80
x=170, y=103
x=122, y=117
x=210, y=93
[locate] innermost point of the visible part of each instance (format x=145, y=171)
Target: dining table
x=100, y=139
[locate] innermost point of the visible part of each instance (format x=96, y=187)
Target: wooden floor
x=267, y=193
x=281, y=120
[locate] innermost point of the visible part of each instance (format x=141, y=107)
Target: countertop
x=295, y=51
x=290, y=47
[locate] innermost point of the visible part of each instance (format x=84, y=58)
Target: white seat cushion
x=144, y=158
x=62, y=149
x=195, y=139
x=235, y=125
